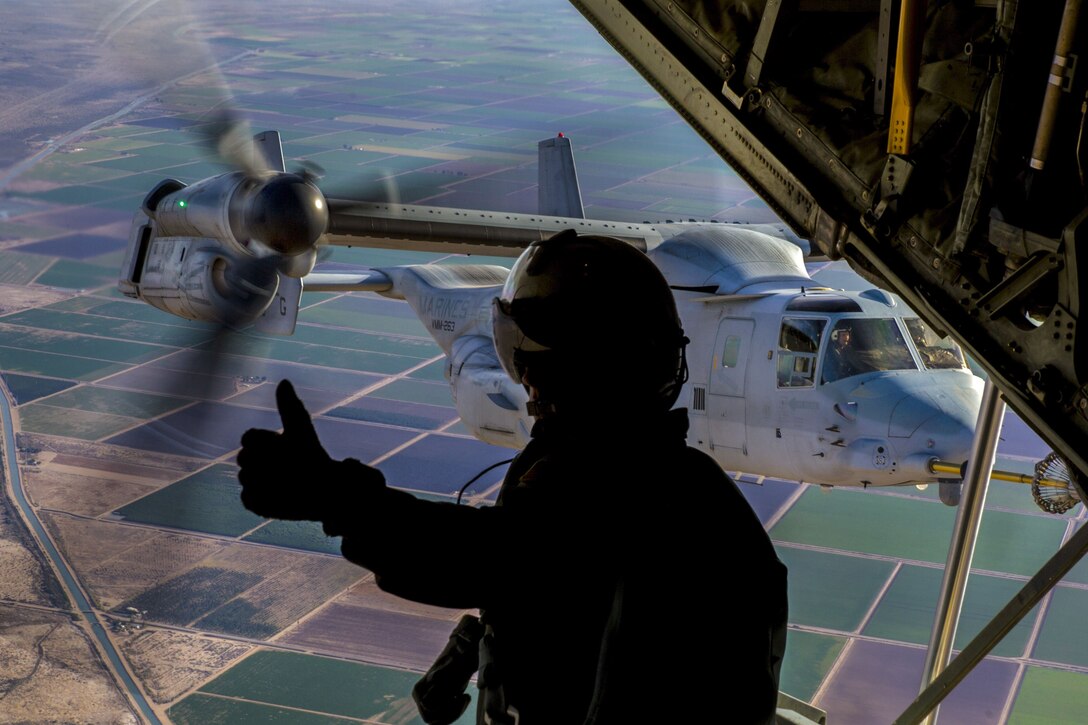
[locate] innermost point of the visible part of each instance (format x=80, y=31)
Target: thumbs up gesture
x=289, y=475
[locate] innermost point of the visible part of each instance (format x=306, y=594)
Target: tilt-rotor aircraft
x=788, y=378
x=936, y=146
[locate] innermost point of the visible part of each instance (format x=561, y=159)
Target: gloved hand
x=289, y=475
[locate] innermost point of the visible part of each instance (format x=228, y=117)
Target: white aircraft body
x=788, y=378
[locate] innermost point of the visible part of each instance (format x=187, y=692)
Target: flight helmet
x=590, y=322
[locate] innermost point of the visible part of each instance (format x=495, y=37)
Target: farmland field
x=93, y=324
x=906, y=612
x=283, y=598
x=205, y=501
x=320, y=684
x=832, y=591
x=28, y=388
x=116, y=402
x=127, y=574
x=306, y=535
x=186, y=597
x=199, y=709
x=43, y=418
x=55, y=365
x=809, y=656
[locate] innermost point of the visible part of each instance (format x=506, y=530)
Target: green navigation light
x=181, y=203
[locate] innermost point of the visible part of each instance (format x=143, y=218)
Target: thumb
x=296, y=419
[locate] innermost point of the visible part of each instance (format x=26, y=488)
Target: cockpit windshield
x=865, y=345
x=937, y=353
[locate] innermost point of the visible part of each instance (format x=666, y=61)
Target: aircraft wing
x=462, y=231
x=935, y=146
x=367, y=280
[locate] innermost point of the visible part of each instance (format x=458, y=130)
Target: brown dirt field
x=171, y=663
x=134, y=470
x=373, y=635
x=15, y=297
x=139, y=568
x=20, y=574
x=291, y=594
x=89, y=494
x=87, y=543
x=367, y=594
x=51, y=673
x=106, y=452
x=264, y=560
x=22, y=578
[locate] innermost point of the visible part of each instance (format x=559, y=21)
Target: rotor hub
x=288, y=214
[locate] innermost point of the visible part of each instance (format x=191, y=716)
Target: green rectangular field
x=71, y=274
x=856, y=521
x=832, y=591
x=27, y=388
x=160, y=156
x=914, y=529
x=121, y=144
x=306, y=535
x=127, y=183
x=330, y=357
x=1063, y=637
x=416, y=391
x=363, y=341
x=435, y=372
x=54, y=365
x=809, y=657
x=1050, y=696
x=21, y=267
x=68, y=173
x=99, y=326
x=1017, y=543
x=76, y=195
x=199, y=709
x=42, y=418
x=127, y=310
x=906, y=612
x=332, y=314
x=116, y=402
x=77, y=345
x=319, y=684
x=127, y=203
x=206, y=501
x=73, y=304
x=13, y=230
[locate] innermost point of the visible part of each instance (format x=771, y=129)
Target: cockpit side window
x=865, y=345
x=798, y=344
x=937, y=353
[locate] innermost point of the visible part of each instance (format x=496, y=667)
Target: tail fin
x=557, y=179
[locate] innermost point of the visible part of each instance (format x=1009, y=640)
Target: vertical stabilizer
x=558, y=193
x=271, y=151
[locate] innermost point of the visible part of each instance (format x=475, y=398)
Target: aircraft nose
x=940, y=419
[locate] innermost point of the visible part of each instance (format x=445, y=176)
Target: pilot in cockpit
x=841, y=359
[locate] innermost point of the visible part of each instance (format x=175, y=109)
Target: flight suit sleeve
x=426, y=551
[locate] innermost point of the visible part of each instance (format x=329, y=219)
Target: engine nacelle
x=197, y=279
x=488, y=401
x=251, y=215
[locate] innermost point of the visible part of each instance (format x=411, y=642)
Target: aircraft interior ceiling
x=937, y=147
